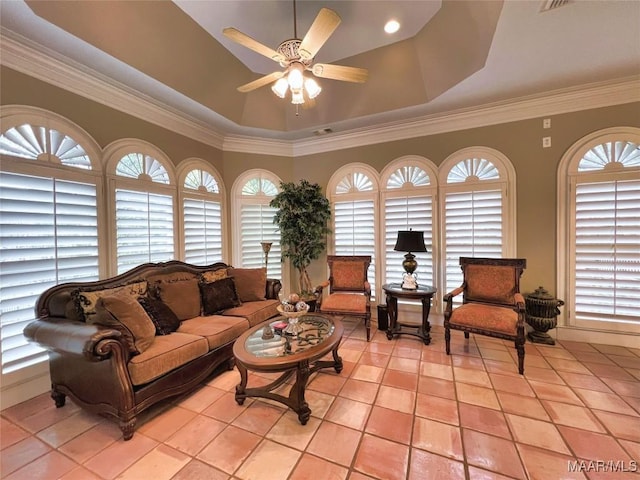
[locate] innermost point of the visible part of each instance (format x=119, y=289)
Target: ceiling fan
x=296, y=57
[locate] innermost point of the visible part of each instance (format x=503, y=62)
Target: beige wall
x=520, y=141
x=535, y=169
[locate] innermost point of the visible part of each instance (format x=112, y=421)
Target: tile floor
x=399, y=410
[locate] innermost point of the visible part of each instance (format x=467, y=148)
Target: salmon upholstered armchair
x=491, y=302
x=349, y=290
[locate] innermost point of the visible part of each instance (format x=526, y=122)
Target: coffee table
x=290, y=354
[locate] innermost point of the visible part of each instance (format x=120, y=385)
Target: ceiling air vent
x=553, y=4
x=322, y=131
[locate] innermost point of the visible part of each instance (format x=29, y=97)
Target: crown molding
x=42, y=63
x=49, y=66
x=569, y=100
x=258, y=146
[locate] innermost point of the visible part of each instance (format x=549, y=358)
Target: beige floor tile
x=536, y=432
x=196, y=434
x=381, y=458
x=492, y=453
x=289, y=431
x=161, y=463
x=475, y=395
x=229, y=449
x=335, y=443
x=396, y=399
x=438, y=438
x=524, y=406
x=260, y=463
x=368, y=373
x=438, y=467
x=312, y=467
x=573, y=416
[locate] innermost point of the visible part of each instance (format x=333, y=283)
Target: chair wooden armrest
x=448, y=298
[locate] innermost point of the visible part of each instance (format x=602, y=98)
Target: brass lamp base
x=409, y=280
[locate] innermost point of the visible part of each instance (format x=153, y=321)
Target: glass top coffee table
x=298, y=354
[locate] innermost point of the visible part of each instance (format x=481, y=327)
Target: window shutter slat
x=49, y=235
x=607, y=242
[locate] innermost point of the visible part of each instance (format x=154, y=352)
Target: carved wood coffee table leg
x=300, y=406
x=242, y=386
x=338, y=360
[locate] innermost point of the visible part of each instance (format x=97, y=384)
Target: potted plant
x=302, y=218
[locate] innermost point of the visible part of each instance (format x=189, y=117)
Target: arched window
x=202, y=213
x=353, y=193
x=478, y=211
x=253, y=223
x=50, y=184
x=408, y=197
x=599, y=188
x=144, y=193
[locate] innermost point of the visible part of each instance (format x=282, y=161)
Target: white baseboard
x=595, y=336
x=24, y=390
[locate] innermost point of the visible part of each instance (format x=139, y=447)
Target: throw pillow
x=182, y=296
x=86, y=300
x=213, y=275
x=251, y=283
x=219, y=296
x=125, y=314
x=161, y=315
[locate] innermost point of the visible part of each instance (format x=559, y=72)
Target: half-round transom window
x=610, y=155
x=201, y=180
x=41, y=143
x=408, y=175
x=144, y=167
x=473, y=169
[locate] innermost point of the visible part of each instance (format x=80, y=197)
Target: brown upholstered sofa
x=119, y=345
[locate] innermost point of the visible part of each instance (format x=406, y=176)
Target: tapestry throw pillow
x=86, y=300
x=182, y=296
x=161, y=315
x=219, y=296
x=123, y=313
x=213, y=275
x=251, y=283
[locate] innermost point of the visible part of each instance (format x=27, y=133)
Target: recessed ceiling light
x=392, y=26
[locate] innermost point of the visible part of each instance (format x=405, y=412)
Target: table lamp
x=410, y=241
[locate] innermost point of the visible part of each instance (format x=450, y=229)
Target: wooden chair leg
x=447, y=340
x=520, y=350
x=466, y=334
x=367, y=324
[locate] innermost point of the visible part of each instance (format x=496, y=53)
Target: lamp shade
x=410, y=241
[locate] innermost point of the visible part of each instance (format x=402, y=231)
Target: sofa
x=120, y=345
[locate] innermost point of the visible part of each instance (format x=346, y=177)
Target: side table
x=393, y=292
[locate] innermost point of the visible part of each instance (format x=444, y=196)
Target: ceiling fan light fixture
x=312, y=88
x=297, y=98
x=280, y=87
x=295, y=77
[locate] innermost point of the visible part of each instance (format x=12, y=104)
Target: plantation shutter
x=607, y=251
x=48, y=235
x=202, y=231
x=403, y=213
x=473, y=228
x=144, y=227
x=354, y=232
x=256, y=226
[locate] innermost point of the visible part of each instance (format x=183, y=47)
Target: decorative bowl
x=297, y=314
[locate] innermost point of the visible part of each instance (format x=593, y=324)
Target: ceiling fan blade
x=340, y=72
x=321, y=29
x=246, y=41
x=272, y=77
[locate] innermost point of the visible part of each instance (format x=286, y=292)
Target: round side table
x=393, y=292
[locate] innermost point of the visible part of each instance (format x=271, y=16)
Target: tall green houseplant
x=302, y=218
